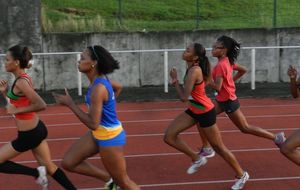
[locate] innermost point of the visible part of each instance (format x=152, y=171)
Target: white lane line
x=159, y=134
x=159, y=110
x=165, y=120
x=160, y=154
x=209, y=182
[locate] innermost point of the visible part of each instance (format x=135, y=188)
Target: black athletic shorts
x=229, y=106
x=205, y=119
x=31, y=139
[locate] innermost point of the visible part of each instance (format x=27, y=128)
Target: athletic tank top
x=199, y=103
x=21, y=101
x=109, y=125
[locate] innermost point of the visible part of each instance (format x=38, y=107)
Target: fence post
x=198, y=14
x=253, y=69
x=275, y=14
x=120, y=12
x=166, y=79
x=79, y=81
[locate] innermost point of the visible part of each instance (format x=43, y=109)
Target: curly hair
x=105, y=62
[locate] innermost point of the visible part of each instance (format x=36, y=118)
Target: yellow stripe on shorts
x=106, y=133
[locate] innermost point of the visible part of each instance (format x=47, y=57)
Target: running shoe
x=240, y=182
x=111, y=185
x=279, y=138
x=196, y=165
x=207, y=152
x=42, y=179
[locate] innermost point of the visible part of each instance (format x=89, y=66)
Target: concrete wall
x=20, y=23
x=139, y=69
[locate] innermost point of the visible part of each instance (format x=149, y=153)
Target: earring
x=93, y=66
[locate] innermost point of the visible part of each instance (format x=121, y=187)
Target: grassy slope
x=170, y=14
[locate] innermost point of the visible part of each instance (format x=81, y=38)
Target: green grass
x=161, y=15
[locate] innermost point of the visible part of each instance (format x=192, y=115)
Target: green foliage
x=158, y=15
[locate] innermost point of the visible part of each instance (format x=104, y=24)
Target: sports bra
x=21, y=101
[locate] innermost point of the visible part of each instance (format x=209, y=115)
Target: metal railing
x=166, y=62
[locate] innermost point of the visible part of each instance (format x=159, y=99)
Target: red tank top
x=21, y=101
x=199, y=103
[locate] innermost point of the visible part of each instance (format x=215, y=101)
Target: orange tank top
x=199, y=103
x=21, y=101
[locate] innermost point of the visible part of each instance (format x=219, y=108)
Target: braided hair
x=232, y=46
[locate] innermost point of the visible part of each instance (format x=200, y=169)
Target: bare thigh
x=217, y=107
x=238, y=119
x=181, y=123
x=114, y=161
x=82, y=149
x=7, y=152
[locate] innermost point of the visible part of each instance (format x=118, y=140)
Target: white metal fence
x=166, y=62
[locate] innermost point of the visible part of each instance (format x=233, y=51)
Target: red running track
x=154, y=165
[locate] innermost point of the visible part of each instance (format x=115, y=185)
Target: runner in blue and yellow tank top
x=110, y=131
x=106, y=135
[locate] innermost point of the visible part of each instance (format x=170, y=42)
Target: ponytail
x=203, y=60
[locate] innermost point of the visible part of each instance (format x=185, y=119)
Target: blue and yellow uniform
x=110, y=131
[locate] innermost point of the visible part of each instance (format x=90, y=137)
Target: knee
x=169, y=138
x=67, y=165
x=50, y=166
x=284, y=149
x=245, y=129
x=218, y=149
x=166, y=138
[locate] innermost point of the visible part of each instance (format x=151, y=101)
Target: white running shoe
x=42, y=179
x=207, y=152
x=279, y=138
x=240, y=182
x=196, y=165
x=110, y=185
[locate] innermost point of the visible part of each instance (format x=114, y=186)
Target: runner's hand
x=63, y=99
x=173, y=73
x=11, y=109
x=3, y=86
x=292, y=72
